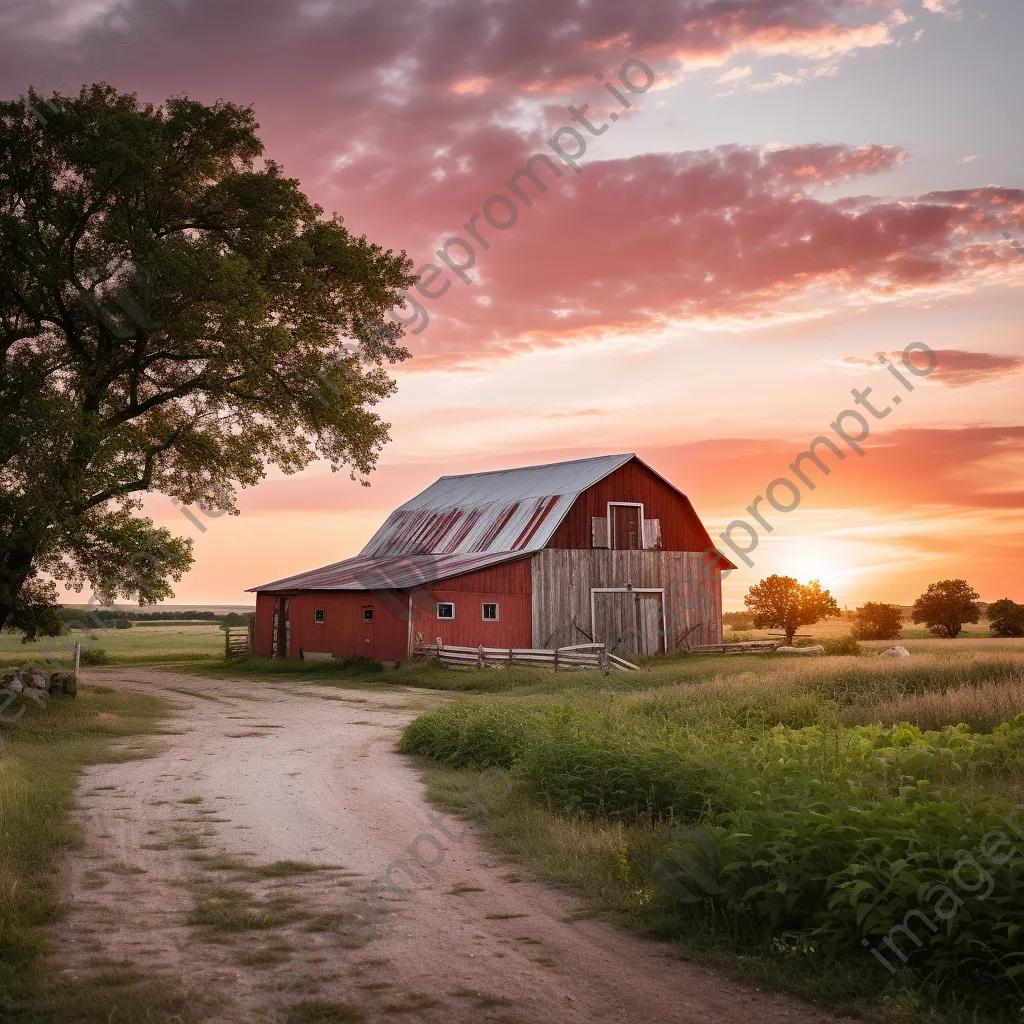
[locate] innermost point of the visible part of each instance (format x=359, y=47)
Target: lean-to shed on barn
x=600, y=549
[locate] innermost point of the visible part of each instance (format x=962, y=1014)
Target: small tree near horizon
x=945, y=606
x=1006, y=618
x=876, y=620
x=781, y=602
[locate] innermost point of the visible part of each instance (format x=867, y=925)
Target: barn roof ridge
x=465, y=522
x=540, y=465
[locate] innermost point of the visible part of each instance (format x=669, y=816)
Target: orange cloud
x=957, y=368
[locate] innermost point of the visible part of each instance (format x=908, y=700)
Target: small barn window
x=318, y=615
x=445, y=610
x=367, y=615
x=491, y=612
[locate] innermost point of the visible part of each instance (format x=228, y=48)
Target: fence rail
x=578, y=656
x=747, y=647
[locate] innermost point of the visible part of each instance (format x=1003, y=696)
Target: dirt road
x=198, y=866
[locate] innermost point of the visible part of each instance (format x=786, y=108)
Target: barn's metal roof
x=504, y=510
x=399, y=572
x=462, y=523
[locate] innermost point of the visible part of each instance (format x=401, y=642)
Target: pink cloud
x=956, y=368
x=631, y=245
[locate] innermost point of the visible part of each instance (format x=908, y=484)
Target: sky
x=772, y=194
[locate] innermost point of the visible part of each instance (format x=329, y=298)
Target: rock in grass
x=814, y=649
x=34, y=678
x=65, y=683
x=897, y=652
x=10, y=681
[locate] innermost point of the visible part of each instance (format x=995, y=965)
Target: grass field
x=773, y=815
x=177, y=642
x=843, y=625
x=777, y=818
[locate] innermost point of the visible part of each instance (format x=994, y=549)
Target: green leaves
x=171, y=314
x=804, y=840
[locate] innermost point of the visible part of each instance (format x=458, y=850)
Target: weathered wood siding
x=563, y=579
x=681, y=529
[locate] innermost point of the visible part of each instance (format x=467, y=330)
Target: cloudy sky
x=804, y=184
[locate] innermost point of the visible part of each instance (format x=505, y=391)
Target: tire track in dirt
x=225, y=861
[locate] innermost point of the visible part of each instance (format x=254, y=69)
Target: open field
x=170, y=642
x=841, y=626
x=257, y=870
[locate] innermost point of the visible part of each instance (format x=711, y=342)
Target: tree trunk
x=15, y=567
x=790, y=633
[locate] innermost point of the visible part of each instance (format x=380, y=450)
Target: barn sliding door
x=630, y=621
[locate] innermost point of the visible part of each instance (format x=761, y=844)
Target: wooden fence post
x=78, y=657
x=556, y=659
x=481, y=656
x=227, y=642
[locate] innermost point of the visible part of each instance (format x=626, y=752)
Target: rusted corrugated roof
x=462, y=523
x=505, y=510
x=398, y=572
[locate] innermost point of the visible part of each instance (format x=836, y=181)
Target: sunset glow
x=703, y=281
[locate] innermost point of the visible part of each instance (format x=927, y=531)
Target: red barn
x=599, y=549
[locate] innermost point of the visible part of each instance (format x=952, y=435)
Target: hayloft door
x=626, y=527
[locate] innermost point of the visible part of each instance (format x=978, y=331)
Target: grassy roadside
x=828, y=818
x=604, y=865
x=43, y=754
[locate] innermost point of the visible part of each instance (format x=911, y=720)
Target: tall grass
x=804, y=808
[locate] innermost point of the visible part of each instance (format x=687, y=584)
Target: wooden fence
x=237, y=641
x=748, y=647
x=594, y=656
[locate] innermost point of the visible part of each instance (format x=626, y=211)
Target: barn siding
x=510, y=585
x=343, y=632
x=681, y=529
x=563, y=579
x=263, y=639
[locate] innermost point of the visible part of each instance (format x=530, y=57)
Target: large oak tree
x=174, y=316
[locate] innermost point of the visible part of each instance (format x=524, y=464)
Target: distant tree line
x=114, y=617
x=780, y=602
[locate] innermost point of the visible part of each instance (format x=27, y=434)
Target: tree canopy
x=945, y=606
x=781, y=602
x=173, y=317
x=878, y=621
x=1006, y=618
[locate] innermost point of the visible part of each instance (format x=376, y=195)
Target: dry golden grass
x=981, y=707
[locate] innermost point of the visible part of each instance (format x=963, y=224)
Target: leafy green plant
x=840, y=645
